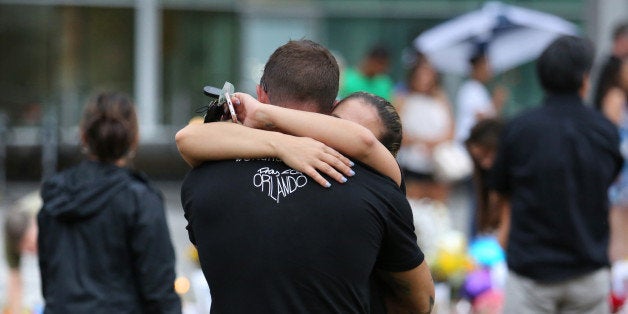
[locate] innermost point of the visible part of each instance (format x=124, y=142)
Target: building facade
x=57, y=53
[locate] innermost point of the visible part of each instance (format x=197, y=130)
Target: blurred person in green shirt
x=371, y=76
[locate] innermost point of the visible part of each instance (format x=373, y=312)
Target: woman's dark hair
x=391, y=137
x=478, y=53
x=609, y=77
x=109, y=126
x=563, y=64
x=485, y=133
x=620, y=30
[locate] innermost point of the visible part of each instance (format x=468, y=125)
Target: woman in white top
x=427, y=121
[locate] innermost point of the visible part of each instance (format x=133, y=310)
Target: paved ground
x=185, y=266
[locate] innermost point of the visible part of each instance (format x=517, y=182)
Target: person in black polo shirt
x=272, y=240
x=552, y=170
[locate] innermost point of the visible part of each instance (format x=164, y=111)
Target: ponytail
x=109, y=126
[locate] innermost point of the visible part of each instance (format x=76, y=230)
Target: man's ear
x=262, y=96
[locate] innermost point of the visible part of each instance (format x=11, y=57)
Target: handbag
x=451, y=162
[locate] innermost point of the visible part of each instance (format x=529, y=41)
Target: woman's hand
x=246, y=107
x=314, y=158
x=345, y=136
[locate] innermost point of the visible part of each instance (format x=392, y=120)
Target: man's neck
x=302, y=106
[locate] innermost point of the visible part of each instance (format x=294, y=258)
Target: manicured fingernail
x=351, y=163
x=343, y=179
x=236, y=101
x=351, y=173
x=327, y=185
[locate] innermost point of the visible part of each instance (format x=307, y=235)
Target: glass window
x=199, y=48
x=57, y=56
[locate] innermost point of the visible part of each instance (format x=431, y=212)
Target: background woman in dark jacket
x=104, y=245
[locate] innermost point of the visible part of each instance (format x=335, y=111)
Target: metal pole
x=147, y=47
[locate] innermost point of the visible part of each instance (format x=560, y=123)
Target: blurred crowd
x=438, y=132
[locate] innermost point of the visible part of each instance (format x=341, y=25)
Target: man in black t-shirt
x=272, y=240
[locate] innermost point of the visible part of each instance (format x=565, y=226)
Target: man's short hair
x=378, y=52
x=302, y=75
x=563, y=64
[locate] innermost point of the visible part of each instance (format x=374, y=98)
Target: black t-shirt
x=272, y=240
x=556, y=163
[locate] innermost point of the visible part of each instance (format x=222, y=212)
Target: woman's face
x=364, y=114
x=483, y=155
x=423, y=78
